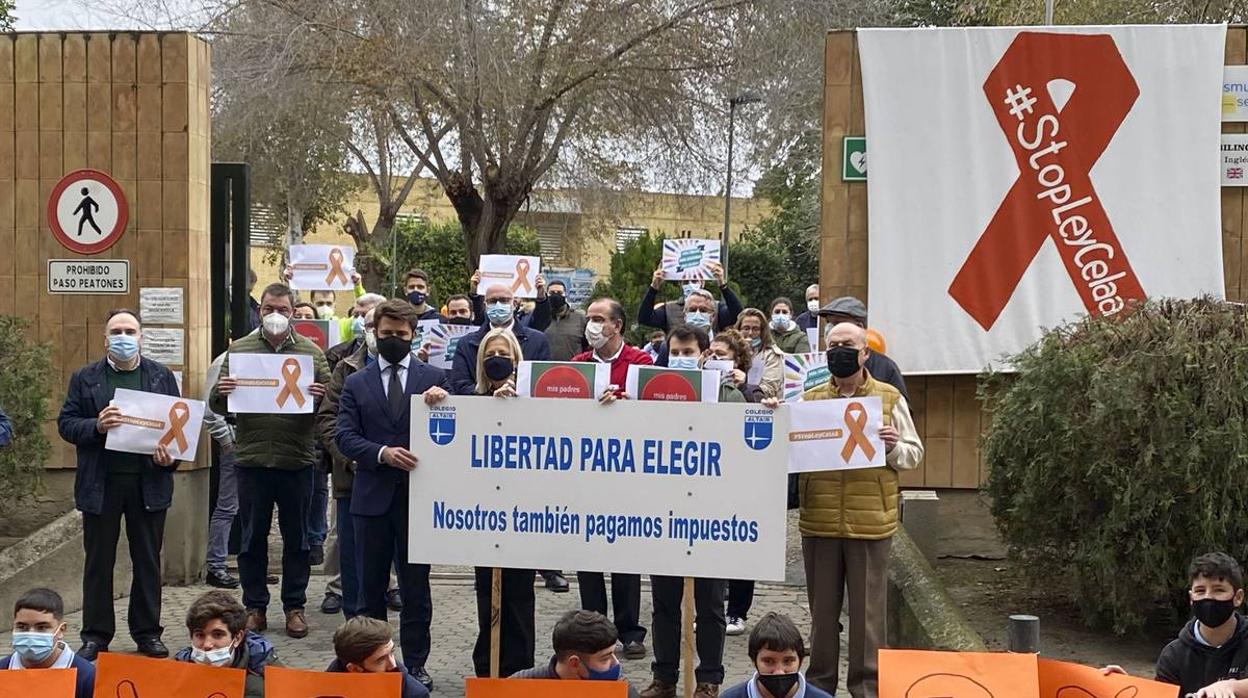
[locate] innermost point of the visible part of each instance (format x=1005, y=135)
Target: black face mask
x=458, y=321
x=843, y=361
x=778, y=685
x=497, y=368
x=557, y=302
x=1212, y=612
x=393, y=349
x=417, y=298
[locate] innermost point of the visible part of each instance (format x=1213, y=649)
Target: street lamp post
x=733, y=102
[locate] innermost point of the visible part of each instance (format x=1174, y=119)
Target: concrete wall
x=945, y=408
x=134, y=105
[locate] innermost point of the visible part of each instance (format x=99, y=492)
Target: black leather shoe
x=394, y=602
x=316, y=556
x=555, y=582
x=91, y=649
x=332, y=604
x=422, y=677
x=152, y=647
x=221, y=580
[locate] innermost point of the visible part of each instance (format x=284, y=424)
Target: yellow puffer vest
x=851, y=503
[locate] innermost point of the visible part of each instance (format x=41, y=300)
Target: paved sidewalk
x=454, y=628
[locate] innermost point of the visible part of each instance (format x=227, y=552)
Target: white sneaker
x=736, y=626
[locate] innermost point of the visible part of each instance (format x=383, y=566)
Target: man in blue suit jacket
x=499, y=313
x=109, y=485
x=374, y=430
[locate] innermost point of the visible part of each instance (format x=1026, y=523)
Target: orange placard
x=127, y=676
x=280, y=682
x=1063, y=680
x=45, y=683
x=917, y=674
x=547, y=688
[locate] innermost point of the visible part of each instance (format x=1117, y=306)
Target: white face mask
x=276, y=324
x=813, y=305
x=218, y=657
x=594, y=334
x=325, y=312
x=370, y=340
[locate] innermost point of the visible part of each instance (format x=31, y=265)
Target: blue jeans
x=223, y=514
x=318, y=521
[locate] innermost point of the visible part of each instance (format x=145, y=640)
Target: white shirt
x=385, y=382
x=65, y=661
x=610, y=359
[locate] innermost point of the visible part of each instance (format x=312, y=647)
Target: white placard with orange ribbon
x=272, y=383
x=322, y=267
x=152, y=419
x=835, y=434
x=517, y=272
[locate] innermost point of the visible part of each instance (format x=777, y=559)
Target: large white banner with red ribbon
x=1020, y=178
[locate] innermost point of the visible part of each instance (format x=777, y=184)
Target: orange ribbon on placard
x=522, y=276
x=335, y=269
x=856, y=424
x=290, y=376
x=179, y=414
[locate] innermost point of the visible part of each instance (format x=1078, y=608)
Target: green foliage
x=7, y=18
x=438, y=248
x=1119, y=451
x=25, y=381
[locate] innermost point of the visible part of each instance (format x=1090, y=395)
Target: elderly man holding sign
x=110, y=485
x=270, y=380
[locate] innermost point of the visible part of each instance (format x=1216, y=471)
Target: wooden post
x=496, y=612
x=687, y=643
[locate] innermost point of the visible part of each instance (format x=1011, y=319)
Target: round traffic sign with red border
x=87, y=211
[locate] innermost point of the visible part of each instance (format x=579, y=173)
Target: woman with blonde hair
x=497, y=360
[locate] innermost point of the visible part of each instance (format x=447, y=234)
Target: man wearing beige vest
x=847, y=521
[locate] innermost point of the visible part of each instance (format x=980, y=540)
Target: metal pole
x=1048, y=12
x=723, y=243
x=1024, y=634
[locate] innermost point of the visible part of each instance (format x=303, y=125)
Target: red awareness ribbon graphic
x=522, y=276
x=179, y=414
x=336, y=271
x=1053, y=196
x=856, y=425
x=290, y=376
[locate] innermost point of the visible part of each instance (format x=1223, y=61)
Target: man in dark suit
x=499, y=312
x=374, y=430
x=109, y=485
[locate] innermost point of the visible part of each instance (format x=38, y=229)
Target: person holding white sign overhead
x=706, y=314
x=847, y=521
x=374, y=430
x=274, y=453
x=110, y=485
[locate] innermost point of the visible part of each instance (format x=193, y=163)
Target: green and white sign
x=854, y=159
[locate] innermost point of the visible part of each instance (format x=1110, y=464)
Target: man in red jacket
x=604, y=331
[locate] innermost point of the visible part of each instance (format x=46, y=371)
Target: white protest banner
x=803, y=372
x=322, y=267
x=642, y=487
x=271, y=383
x=1235, y=93
x=443, y=340
x=1034, y=169
x=151, y=419
x=426, y=332
x=562, y=379
x=519, y=273
x=835, y=434
x=1234, y=160
x=671, y=384
x=689, y=258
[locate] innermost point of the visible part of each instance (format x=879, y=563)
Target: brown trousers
x=836, y=567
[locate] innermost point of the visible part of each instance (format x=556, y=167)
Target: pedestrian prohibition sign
x=87, y=211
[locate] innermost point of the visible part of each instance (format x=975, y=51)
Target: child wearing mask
x=584, y=644
x=776, y=651
x=39, y=640
x=688, y=347
x=218, y=626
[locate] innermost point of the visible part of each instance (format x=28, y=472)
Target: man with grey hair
x=810, y=317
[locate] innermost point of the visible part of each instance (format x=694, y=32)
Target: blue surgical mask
x=687, y=363
x=756, y=342
x=33, y=648
x=698, y=318
x=689, y=289
x=357, y=326
x=499, y=313
x=123, y=347
x=779, y=321
x=612, y=674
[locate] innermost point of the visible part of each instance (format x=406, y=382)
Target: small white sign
x=89, y=276
x=164, y=345
x=322, y=267
x=272, y=383
x=689, y=258
x=442, y=340
x=835, y=434
x=152, y=419
x=161, y=306
x=519, y=273
x=812, y=335
x=1235, y=159
x=1235, y=93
